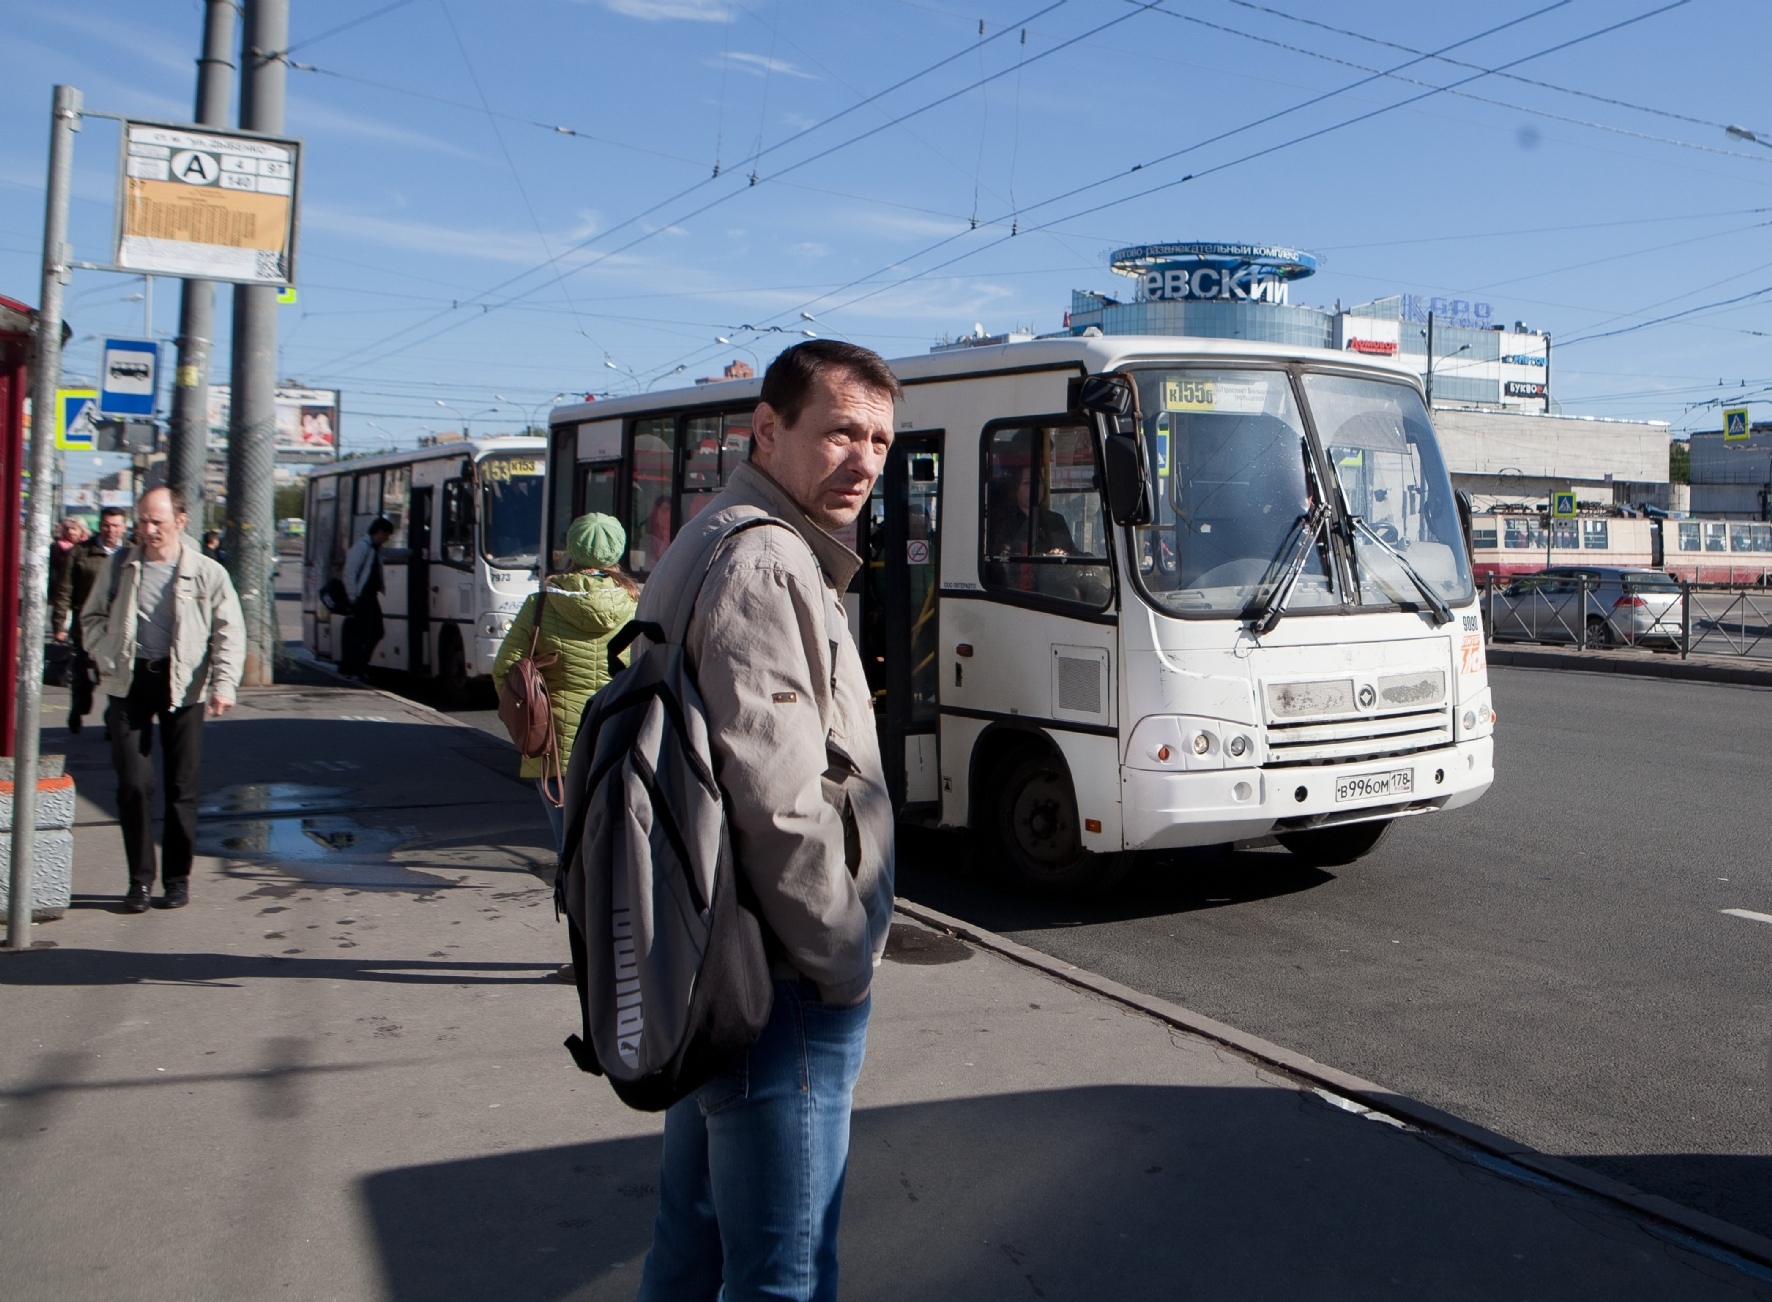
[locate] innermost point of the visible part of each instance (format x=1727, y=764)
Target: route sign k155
x=208, y=205
x=129, y=377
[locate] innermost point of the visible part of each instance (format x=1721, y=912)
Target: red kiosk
x=17, y=326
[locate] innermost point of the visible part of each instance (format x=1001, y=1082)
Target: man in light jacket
x=162, y=624
x=754, y=1161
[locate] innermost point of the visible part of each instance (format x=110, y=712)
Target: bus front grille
x=1291, y=744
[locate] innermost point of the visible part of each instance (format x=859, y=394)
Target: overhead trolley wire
x=714, y=203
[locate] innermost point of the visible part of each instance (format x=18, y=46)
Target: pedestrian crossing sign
x=1736, y=426
x=1563, y=505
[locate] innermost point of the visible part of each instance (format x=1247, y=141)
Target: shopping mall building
x=1489, y=383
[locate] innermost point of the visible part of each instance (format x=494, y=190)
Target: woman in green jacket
x=586, y=606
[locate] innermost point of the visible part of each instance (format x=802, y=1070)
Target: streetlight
x=546, y=402
x=609, y=362
x=1462, y=348
x=465, y=419
x=667, y=375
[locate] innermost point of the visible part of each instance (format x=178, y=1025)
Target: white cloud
x=142, y=44
x=306, y=114
x=892, y=224
x=515, y=246
x=761, y=64
x=695, y=11
x=811, y=249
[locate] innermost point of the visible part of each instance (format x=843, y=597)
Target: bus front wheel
x=1332, y=847
x=452, y=667
x=1039, y=841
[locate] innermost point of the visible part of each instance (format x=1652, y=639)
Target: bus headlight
x=1174, y=742
x=496, y=625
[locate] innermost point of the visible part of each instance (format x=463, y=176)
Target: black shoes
x=137, y=899
x=178, y=894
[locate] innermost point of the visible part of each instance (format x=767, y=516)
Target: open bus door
x=901, y=618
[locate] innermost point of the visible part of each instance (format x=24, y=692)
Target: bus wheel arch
x=1023, y=810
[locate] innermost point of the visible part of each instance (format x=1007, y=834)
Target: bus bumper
x=1163, y=811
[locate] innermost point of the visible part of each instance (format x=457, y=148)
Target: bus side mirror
x=1105, y=395
x=1464, y=522
x=1128, y=482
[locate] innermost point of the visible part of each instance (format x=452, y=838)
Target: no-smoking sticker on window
x=916, y=552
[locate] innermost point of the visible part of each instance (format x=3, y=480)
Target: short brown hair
x=788, y=381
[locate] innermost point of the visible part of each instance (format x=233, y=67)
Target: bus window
x=458, y=522
x=395, y=484
x=649, y=517
x=701, y=463
x=735, y=444
x=563, y=461
x=366, y=503
x=510, y=509
x=1044, y=531
x=597, y=491
x=1595, y=535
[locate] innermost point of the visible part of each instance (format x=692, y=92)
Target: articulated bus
x=467, y=519
x=1125, y=593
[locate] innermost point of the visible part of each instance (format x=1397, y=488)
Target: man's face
x=159, y=524
x=111, y=530
x=829, y=459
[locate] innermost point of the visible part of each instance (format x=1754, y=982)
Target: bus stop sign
x=129, y=377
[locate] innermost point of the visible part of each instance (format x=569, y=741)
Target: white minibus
x=467, y=516
x=1126, y=593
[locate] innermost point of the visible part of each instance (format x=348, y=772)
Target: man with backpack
x=754, y=1160
x=363, y=586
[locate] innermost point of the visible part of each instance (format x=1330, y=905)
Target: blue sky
x=457, y=247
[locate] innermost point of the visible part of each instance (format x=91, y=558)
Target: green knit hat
x=594, y=541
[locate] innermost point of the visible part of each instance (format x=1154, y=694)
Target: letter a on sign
x=1736, y=426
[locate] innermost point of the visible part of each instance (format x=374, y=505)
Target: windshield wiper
x=1442, y=612
x=1273, y=609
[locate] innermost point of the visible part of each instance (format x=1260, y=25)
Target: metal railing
x=1572, y=612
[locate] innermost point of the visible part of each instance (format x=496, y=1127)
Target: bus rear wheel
x=1332, y=847
x=1039, y=840
x=452, y=667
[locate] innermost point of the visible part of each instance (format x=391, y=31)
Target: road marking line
x=1749, y=914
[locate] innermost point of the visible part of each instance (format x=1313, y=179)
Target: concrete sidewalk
x=338, y=1074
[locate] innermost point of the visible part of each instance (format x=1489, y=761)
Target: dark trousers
x=129, y=723
x=362, y=633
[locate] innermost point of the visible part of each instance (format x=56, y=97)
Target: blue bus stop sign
x=129, y=377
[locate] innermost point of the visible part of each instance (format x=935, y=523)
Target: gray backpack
x=667, y=947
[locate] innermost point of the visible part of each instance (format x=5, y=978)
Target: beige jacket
x=793, y=731
x=209, y=638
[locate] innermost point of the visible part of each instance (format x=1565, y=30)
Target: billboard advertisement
x=213, y=205
x=307, y=419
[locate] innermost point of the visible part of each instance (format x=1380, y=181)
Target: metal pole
x=1685, y=618
x=187, y=446
x=46, y=374
x=252, y=425
x=1547, y=372
x=1430, y=361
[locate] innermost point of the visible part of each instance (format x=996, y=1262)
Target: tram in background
x=1724, y=552
x=467, y=520
x=1125, y=593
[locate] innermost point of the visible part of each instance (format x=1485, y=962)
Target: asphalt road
x=1552, y=962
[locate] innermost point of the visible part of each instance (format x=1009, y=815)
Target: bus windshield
x=1382, y=450
x=510, y=509
x=1233, y=484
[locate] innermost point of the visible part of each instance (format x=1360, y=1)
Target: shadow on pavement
x=1116, y=1191
x=103, y=967
x=944, y=871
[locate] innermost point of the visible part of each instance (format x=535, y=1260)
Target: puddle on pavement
x=325, y=849
x=913, y=945
x=273, y=798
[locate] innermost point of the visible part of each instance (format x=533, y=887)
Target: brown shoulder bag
x=526, y=711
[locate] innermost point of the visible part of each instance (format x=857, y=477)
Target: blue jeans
x=752, y=1180
x=556, y=815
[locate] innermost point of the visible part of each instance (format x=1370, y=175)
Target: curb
x=1641, y=664
x=1377, y=1098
